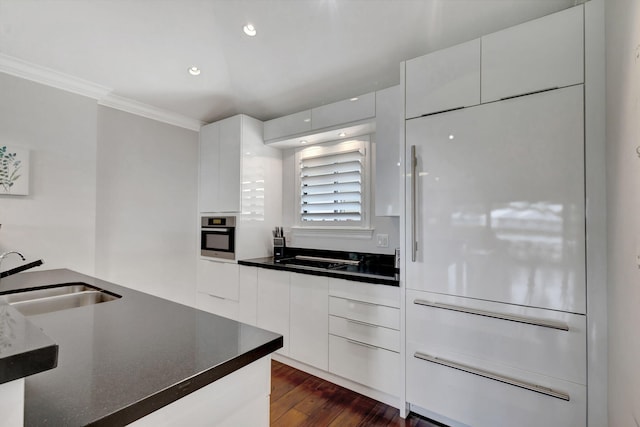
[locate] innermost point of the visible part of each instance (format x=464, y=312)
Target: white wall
x=56, y=221
x=623, y=181
x=112, y=194
x=146, y=205
x=381, y=225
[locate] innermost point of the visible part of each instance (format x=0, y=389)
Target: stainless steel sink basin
x=55, y=298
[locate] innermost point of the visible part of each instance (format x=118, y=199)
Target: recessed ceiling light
x=304, y=141
x=451, y=136
x=355, y=98
x=307, y=120
x=342, y=134
x=194, y=71
x=249, y=30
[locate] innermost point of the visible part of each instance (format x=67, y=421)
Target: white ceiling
x=306, y=53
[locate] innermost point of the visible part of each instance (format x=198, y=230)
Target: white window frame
x=359, y=229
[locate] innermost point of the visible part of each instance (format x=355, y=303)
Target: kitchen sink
x=55, y=298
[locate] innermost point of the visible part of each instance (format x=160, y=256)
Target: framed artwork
x=14, y=171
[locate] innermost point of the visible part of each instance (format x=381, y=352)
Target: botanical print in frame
x=14, y=170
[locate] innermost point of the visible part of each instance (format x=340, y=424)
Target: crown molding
x=102, y=94
x=150, y=112
x=49, y=77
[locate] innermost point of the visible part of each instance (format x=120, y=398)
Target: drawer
x=366, y=312
x=365, y=333
x=456, y=325
x=216, y=305
x=370, y=366
x=480, y=401
x=368, y=292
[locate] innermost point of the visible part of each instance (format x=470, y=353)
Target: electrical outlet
x=383, y=240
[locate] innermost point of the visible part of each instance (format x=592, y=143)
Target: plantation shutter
x=331, y=187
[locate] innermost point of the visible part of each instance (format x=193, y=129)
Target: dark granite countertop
x=24, y=349
x=372, y=268
x=123, y=359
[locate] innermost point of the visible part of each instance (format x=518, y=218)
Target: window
x=333, y=183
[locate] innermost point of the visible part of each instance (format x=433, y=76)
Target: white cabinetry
x=236, y=167
x=309, y=327
x=388, y=152
x=292, y=124
x=499, y=362
x=364, y=335
x=346, y=111
x=443, y=80
x=220, y=162
x=500, y=201
x=273, y=304
x=218, y=288
x=541, y=54
x=248, y=294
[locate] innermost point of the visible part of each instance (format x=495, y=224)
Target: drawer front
x=373, y=314
x=219, y=278
x=370, y=366
x=479, y=401
x=220, y=306
x=365, y=333
x=368, y=292
x=454, y=325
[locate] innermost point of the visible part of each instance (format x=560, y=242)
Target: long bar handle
x=503, y=316
x=414, y=167
x=493, y=376
x=361, y=344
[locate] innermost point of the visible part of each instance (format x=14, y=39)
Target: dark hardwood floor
x=300, y=399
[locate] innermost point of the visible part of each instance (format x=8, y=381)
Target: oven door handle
x=216, y=230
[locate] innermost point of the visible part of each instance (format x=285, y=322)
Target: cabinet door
x=541, y=54
x=288, y=125
x=248, y=294
x=219, y=279
x=209, y=160
x=387, y=139
x=309, y=329
x=273, y=304
x=443, y=80
x=229, y=167
x=500, y=202
x=341, y=112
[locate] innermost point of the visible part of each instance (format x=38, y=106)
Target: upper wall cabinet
x=350, y=110
x=232, y=159
x=542, y=54
x=443, y=80
x=287, y=125
x=388, y=157
x=220, y=152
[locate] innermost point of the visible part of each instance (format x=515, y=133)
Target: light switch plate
x=382, y=240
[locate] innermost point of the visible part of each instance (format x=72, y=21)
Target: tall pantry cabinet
x=500, y=314
x=240, y=176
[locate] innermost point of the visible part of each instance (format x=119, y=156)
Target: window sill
x=338, y=232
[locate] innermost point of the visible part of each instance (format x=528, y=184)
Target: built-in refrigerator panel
x=499, y=201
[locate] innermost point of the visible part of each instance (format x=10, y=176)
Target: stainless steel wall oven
x=217, y=236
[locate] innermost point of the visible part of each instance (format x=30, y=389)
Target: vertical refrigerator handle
x=414, y=166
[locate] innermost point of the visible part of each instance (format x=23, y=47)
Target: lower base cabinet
x=365, y=364
x=472, y=397
x=309, y=327
x=487, y=364
x=273, y=304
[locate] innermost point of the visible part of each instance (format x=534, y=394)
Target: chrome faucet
x=4, y=255
x=17, y=269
